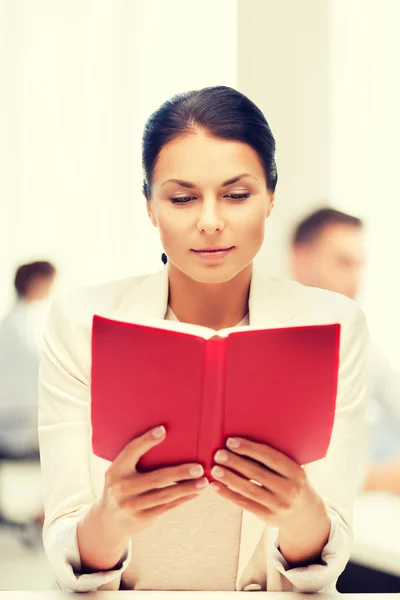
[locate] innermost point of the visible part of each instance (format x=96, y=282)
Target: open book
x=275, y=386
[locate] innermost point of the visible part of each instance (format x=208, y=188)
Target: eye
x=182, y=199
x=238, y=196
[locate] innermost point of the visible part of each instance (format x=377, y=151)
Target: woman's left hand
x=276, y=489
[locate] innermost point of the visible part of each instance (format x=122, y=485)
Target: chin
x=213, y=274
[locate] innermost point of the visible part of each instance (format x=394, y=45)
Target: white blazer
x=73, y=476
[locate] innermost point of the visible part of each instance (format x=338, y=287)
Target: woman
x=210, y=178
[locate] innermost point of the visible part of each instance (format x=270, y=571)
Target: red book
x=274, y=386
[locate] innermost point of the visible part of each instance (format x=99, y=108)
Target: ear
x=271, y=204
x=150, y=210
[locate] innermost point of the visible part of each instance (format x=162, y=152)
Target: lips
x=213, y=254
x=212, y=250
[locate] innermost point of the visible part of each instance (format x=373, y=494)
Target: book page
x=240, y=329
x=244, y=328
x=184, y=328
x=205, y=333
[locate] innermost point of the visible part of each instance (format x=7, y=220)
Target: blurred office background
x=78, y=78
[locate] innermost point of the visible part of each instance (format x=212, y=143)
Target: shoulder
x=69, y=323
x=310, y=305
x=78, y=305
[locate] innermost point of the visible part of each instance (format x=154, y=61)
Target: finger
x=271, y=458
x=262, y=512
x=154, y=513
x=140, y=483
x=165, y=496
x=252, y=470
x=246, y=488
x=128, y=458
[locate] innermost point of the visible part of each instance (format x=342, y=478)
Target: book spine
x=212, y=406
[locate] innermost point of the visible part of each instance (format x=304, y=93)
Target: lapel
x=147, y=300
x=268, y=308
x=268, y=305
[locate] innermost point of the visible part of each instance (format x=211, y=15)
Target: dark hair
x=27, y=273
x=308, y=230
x=220, y=111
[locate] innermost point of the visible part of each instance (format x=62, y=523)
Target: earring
x=164, y=258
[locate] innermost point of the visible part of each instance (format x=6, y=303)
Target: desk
x=377, y=532
x=185, y=596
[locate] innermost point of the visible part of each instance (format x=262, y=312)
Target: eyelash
x=187, y=199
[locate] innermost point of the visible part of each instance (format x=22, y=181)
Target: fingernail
x=196, y=471
x=202, y=483
x=233, y=443
x=221, y=456
x=218, y=472
x=159, y=432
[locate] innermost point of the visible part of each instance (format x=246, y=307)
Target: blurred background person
x=328, y=251
x=20, y=344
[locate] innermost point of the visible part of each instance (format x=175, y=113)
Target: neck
x=216, y=305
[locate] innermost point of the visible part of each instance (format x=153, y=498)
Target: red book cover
x=274, y=386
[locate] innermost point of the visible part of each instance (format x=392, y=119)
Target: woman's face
x=210, y=202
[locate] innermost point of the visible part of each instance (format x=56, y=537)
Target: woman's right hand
x=132, y=500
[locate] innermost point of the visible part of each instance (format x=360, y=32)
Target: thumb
x=126, y=461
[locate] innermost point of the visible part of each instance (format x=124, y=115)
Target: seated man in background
x=20, y=345
x=328, y=252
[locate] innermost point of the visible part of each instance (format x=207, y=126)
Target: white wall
x=284, y=57
x=80, y=78
x=365, y=148
x=5, y=150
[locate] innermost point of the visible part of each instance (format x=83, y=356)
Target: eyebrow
x=187, y=184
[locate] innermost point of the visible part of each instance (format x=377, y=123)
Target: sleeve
x=335, y=477
x=65, y=448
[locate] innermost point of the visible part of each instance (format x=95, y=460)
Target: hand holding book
x=276, y=489
x=255, y=477
x=132, y=500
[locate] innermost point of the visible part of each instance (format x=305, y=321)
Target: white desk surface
x=377, y=532
x=122, y=595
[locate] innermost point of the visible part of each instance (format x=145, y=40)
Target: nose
x=210, y=220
